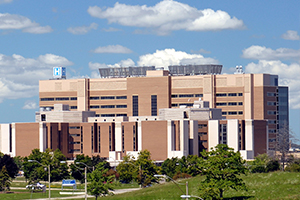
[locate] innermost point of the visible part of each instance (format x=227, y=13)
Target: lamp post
x=140, y=171
x=48, y=174
x=85, y=182
x=184, y=196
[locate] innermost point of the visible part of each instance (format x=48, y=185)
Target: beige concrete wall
x=233, y=134
x=4, y=138
x=213, y=133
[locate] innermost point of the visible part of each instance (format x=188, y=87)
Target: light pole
x=85, y=182
x=184, y=196
x=48, y=174
x=140, y=170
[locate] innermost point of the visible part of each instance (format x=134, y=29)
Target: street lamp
x=85, y=183
x=184, y=196
x=48, y=174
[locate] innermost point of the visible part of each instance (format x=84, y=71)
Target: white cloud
x=112, y=49
x=19, y=76
x=5, y=1
x=288, y=76
x=111, y=29
x=30, y=105
x=263, y=53
x=164, y=58
x=9, y=21
x=80, y=30
x=167, y=16
x=291, y=35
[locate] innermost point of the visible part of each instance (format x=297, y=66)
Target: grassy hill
x=277, y=185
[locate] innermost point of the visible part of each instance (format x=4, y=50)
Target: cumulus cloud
x=111, y=29
x=167, y=16
x=270, y=61
x=264, y=53
x=30, y=105
x=5, y=1
x=9, y=21
x=19, y=76
x=291, y=35
x=80, y=30
x=164, y=58
x=160, y=58
x=288, y=76
x=112, y=49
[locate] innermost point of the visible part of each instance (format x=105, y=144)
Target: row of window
x=233, y=113
x=186, y=95
x=112, y=115
x=229, y=103
x=272, y=112
x=107, y=97
x=271, y=103
x=59, y=99
x=107, y=106
x=229, y=94
x=182, y=104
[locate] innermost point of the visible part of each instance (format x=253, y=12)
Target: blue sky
x=262, y=36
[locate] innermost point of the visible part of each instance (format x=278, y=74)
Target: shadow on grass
x=238, y=198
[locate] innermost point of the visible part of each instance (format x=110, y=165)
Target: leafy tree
x=35, y=171
x=193, y=165
x=293, y=165
x=127, y=169
x=169, y=167
x=4, y=179
x=222, y=167
x=147, y=169
x=100, y=184
x=10, y=165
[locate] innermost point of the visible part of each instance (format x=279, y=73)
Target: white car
x=36, y=186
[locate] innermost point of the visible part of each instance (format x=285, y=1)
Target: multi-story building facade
x=240, y=96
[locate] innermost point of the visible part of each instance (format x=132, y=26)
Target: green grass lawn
x=25, y=194
x=277, y=185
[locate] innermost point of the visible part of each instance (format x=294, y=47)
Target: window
x=271, y=112
x=94, y=98
x=108, y=97
x=240, y=112
x=110, y=138
x=271, y=103
x=121, y=106
x=232, y=103
x=74, y=135
x=99, y=140
x=174, y=104
x=186, y=104
x=186, y=95
x=272, y=131
x=224, y=113
x=62, y=99
x=43, y=117
x=221, y=104
x=232, y=113
x=74, y=142
x=271, y=121
x=121, y=115
x=73, y=98
x=74, y=127
x=47, y=99
x=202, y=133
x=271, y=94
x=94, y=107
x=123, y=139
x=107, y=115
x=135, y=105
x=240, y=94
x=202, y=125
x=121, y=97
x=198, y=95
x=73, y=107
x=232, y=94
x=240, y=103
x=153, y=105
x=134, y=137
x=108, y=106
x=221, y=95
x=174, y=96
x=272, y=140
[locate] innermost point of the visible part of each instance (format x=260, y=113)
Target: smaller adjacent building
x=176, y=132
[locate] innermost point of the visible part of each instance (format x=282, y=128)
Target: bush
x=181, y=175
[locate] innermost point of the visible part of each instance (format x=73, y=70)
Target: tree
x=127, y=169
x=147, y=169
x=222, y=167
x=263, y=163
x=10, y=165
x=4, y=179
x=284, y=137
x=100, y=184
x=35, y=171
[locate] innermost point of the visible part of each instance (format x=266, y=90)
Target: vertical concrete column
x=139, y=134
x=194, y=136
x=233, y=134
x=249, y=135
x=82, y=95
x=4, y=138
x=184, y=137
x=208, y=89
x=248, y=96
x=170, y=139
x=213, y=133
x=13, y=139
x=118, y=136
x=42, y=136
